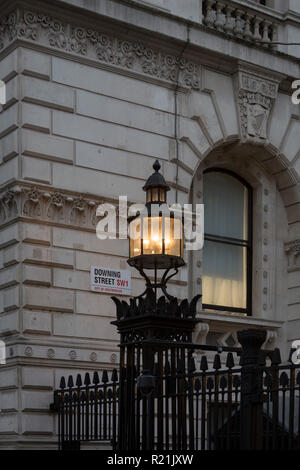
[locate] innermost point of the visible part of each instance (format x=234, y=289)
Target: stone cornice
x=166, y=38
x=109, y=49
x=237, y=321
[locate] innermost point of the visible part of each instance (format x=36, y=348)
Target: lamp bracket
x=151, y=287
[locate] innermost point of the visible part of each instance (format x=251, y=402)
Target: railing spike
x=96, y=379
x=114, y=375
x=276, y=358
x=230, y=360
x=105, y=377
x=217, y=362
x=191, y=365
x=62, y=383
x=70, y=381
x=78, y=380
x=87, y=379
x=203, y=364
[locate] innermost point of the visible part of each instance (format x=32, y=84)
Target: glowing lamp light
x=158, y=239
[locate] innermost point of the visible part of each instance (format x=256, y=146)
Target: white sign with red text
x=110, y=281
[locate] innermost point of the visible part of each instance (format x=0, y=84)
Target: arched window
x=227, y=252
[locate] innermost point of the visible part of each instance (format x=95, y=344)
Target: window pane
x=224, y=280
x=225, y=206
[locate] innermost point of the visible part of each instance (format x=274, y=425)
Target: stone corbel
x=256, y=93
x=271, y=339
x=199, y=337
x=200, y=333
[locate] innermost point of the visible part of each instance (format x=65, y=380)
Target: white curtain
x=224, y=266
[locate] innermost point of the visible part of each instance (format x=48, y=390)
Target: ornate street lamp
x=154, y=333
x=156, y=235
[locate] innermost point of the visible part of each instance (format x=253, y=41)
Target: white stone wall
x=79, y=129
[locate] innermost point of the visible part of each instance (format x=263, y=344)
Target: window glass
x=227, y=246
x=224, y=275
x=225, y=206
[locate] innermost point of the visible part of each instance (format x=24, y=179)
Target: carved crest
x=255, y=100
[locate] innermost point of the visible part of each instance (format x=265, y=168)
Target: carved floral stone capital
x=48, y=205
x=293, y=247
x=293, y=252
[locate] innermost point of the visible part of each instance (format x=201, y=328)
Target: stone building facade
x=95, y=92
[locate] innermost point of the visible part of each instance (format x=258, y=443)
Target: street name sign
x=110, y=281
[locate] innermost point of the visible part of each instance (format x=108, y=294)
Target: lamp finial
x=156, y=166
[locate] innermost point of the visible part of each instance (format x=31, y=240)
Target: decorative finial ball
x=156, y=166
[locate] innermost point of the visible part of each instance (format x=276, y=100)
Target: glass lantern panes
x=156, y=236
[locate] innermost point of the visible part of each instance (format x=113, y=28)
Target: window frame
x=236, y=242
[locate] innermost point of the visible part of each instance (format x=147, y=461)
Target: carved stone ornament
x=48, y=205
x=256, y=97
x=51, y=353
x=93, y=356
x=72, y=355
x=271, y=339
x=293, y=251
x=293, y=247
x=105, y=48
x=28, y=351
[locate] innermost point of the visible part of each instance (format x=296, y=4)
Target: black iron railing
x=281, y=410
x=88, y=410
x=189, y=405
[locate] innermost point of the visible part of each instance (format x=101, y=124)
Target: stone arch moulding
x=249, y=122
x=267, y=171
x=269, y=159
x=239, y=158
